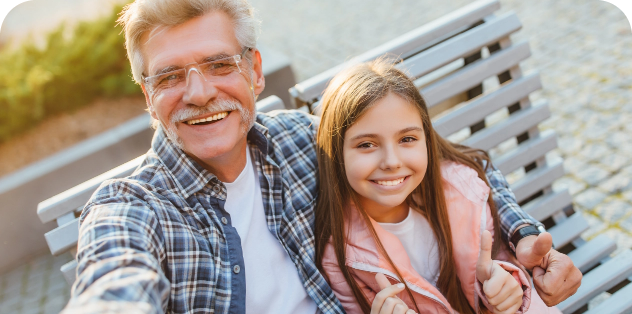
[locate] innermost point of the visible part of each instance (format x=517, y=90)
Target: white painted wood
x=411, y=42
x=461, y=46
x=546, y=205
x=70, y=271
x=514, y=125
x=571, y=228
x=590, y=254
x=620, y=302
x=599, y=280
x=475, y=73
x=63, y=238
x=480, y=107
x=527, y=152
x=270, y=103
x=70, y=199
x=538, y=179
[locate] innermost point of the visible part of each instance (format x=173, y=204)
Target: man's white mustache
x=216, y=106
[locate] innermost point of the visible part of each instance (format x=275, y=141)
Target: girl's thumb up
x=485, y=264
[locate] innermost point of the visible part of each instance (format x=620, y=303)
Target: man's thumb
x=484, y=264
x=542, y=245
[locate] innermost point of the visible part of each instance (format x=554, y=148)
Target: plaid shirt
x=161, y=241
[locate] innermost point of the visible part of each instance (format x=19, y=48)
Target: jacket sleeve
x=118, y=254
x=339, y=285
x=503, y=259
x=510, y=214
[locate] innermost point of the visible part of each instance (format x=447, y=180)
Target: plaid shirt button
x=236, y=269
x=224, y=220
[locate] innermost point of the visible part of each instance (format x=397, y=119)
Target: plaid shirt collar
x=189, y=175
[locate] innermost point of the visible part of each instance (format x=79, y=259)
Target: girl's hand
x=386, y=301
x=502, y=290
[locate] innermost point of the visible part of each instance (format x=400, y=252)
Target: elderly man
x=219, y=216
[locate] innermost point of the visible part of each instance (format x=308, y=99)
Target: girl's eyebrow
x=402, y=131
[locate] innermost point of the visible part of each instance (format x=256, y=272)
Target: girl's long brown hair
x=345, y=100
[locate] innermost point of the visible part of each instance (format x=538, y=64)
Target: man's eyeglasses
x=177, y=80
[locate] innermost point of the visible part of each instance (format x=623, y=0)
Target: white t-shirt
x=420, y=244
x=272, y=282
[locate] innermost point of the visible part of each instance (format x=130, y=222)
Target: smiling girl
x=399, y=201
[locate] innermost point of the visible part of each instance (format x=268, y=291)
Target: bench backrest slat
x=404, y=45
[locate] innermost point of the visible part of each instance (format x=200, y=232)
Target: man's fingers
x=558, y=281
x=484, y=263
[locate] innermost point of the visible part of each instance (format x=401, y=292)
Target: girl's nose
x=390, y=159
x=198, y=90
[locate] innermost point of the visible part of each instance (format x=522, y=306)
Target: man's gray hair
x=142, y=16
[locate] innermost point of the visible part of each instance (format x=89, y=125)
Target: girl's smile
x=385, y=157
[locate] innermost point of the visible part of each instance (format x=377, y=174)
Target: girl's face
x=385, y=157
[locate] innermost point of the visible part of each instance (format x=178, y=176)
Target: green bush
x=65, y=74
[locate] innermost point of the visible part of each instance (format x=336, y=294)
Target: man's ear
x=151, y=110
x=258, y=81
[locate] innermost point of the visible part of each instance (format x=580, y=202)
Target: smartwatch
x=522, y=233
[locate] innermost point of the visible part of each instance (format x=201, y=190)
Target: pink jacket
x=466, y=198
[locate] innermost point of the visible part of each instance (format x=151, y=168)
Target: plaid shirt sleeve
x=119, y=249
x=510, y=214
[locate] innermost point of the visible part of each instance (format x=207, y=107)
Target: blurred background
x=64, y=79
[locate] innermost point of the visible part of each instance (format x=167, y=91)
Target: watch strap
x=522, y=233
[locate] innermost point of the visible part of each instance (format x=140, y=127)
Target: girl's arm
x=338, y=284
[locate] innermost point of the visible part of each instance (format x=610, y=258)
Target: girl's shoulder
x=465, y=180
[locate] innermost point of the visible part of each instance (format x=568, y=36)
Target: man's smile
x=212, y=118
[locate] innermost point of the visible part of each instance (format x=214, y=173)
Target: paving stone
x=569, y=145
x=614, y=162
x=592, y=174
x=595, y=226
x=573, y=186
x=613, y=210
x=626, y=224
x=589, y=199
x=616, y=184
x=624, y=242
x=594, y=151
x=598, y=300
x=573, y=164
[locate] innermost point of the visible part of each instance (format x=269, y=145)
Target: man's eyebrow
x=207, y=59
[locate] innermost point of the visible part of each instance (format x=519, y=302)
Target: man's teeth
x=390, y=183
x=218, y=116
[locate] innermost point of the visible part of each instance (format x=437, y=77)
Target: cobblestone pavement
x=582, y=48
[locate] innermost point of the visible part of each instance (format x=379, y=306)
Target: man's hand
x=554, y=275
x=502, y=290
x=386, y=301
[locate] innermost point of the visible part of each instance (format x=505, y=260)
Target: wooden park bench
x=453, y=59
x=468, y=70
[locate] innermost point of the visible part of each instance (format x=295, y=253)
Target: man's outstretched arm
x=118, y=257
x=554, y=275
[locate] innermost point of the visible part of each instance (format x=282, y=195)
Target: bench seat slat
x=599, y=280
x=77, y=196
x=620, y=302
x=462, y=45
x=545, y=206
x=413, y=41
x=480, y=107
x=70, y=271
x=527, y=152
x=514, y=125
x=537, y=179
x=568, y=230
x=63, y=238
x=475, y=73
x=590, y=254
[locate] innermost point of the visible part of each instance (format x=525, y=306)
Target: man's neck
x=228, y=166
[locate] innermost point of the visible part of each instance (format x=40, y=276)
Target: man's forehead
x=201, y=37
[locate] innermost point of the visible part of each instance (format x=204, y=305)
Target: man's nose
x=198, y=90
x=390, y=158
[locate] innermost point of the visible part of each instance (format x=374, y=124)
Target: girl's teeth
x=391, y=183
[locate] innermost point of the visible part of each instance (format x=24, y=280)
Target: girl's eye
x=365, y=145
x=408, y=139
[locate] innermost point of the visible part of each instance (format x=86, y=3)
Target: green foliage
x=66, y=74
